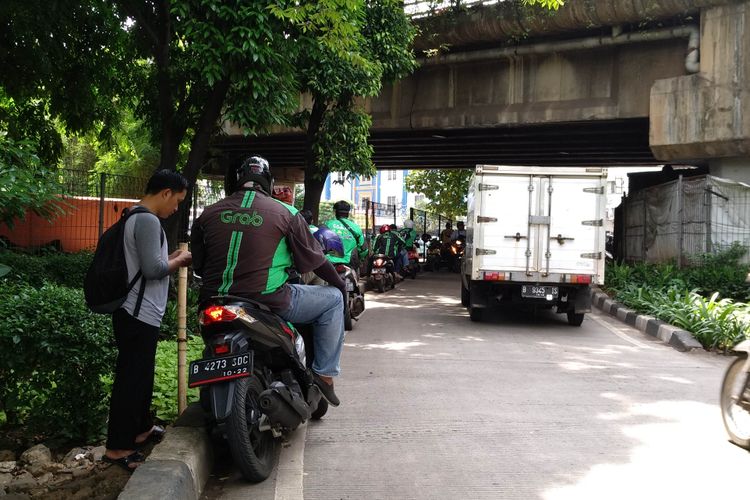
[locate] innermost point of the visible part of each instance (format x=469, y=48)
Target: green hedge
x=66, y=269
x=690, y=297
x=164, y=403
x=55, y=353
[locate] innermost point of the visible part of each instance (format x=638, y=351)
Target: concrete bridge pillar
x=706, y=116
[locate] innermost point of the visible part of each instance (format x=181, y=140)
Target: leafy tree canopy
x=446, y=189
x=63, y=61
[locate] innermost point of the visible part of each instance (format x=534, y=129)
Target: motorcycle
x=255, y=380
x=433, y=256
x=413, y=268
x=735, y=397
x=456, y=253
x=382, y=274
x=356, y=293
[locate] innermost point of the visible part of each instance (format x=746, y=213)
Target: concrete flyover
x=600, y=82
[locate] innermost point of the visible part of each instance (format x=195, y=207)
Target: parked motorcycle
x=735, y=397
x=255, y=380
x=382, y=274
x=457, y=252
x=356, y=293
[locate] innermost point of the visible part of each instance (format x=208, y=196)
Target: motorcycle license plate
x=210, y=371
x=349, y=286
x=539, y=292
x=379, y=270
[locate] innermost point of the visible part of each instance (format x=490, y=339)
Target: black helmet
x=342, y=208
x=255, y=169
x=307, y=215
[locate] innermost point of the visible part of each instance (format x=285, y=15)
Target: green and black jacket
x=245, y=244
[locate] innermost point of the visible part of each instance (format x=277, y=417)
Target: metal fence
x=684, y=218
x=428, y=223
x=92, y=202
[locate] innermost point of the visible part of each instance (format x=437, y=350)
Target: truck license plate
x=539, y=292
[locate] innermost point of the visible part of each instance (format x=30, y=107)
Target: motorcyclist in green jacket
x=351, y=234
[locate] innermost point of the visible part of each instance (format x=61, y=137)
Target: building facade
x=386, y=187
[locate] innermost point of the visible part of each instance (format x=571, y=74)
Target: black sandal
x=134, y=458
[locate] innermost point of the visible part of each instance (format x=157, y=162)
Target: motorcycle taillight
x=379, y=262
x=217, y=314
x=221, y=349
x=340, y=268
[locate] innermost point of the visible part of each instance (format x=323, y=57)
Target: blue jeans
x=404, y=258
x=323, y=307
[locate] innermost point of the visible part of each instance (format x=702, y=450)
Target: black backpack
x=106, y=285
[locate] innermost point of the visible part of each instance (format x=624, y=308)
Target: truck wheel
x=464, y=295
x=575, y=319
x=475, y=314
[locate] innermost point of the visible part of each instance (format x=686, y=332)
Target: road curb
x=179, y=466
x=681, y=340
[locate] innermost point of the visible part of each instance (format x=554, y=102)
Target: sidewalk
x=681, y=340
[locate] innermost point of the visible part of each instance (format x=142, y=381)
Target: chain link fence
x=686, y=217
x=92, y=202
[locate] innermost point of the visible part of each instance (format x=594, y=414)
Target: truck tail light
x=495, y=276
x=580, y=279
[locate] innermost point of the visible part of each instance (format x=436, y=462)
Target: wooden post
x=182, y=336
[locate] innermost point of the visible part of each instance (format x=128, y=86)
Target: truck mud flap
x=582, y=302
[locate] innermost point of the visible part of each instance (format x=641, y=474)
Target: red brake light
x=581, y=278
x=221, y=349
x=340, y=268
x=216, y=314
x=379, y=262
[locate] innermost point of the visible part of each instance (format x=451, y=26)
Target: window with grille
x=391, y=200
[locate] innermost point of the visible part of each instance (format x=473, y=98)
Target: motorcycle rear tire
x=728, y=406
x=321, y=410
x=381, y=286
x=253, y=451
x=348, y=325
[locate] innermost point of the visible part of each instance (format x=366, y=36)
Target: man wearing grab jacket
x=245, y=244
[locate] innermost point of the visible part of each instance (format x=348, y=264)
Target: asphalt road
x=521, y=406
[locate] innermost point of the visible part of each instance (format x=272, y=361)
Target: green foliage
x=342, y=141
x=446, y=189
x=127, y=150
x=25, y=184
x=169, y=321
x=65, y=61
x=55, y=354
x=66, y=269
x=689, y=297
x=337, y=127
x=720, y=272
x=165, y=378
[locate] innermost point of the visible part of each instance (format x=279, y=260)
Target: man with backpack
x=137, y=239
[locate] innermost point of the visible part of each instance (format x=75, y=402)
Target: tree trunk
x=314, y=178
x=176, y=226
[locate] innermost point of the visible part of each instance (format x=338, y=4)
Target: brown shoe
x=326, y=390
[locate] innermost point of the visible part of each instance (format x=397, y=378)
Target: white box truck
x=535, y=235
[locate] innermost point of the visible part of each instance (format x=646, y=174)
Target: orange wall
x=77, y=229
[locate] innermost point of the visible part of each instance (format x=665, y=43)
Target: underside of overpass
x=599, y=143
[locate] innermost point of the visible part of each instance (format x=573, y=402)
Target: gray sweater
x=144, y=251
